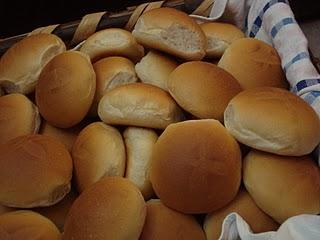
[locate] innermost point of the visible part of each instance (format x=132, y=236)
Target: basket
x=75, y=32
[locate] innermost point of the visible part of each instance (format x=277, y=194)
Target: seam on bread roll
x=139, y=144
x=21, y=65
x=112, y=42
x=144, y=105
x=155, y=68
x=171, y=31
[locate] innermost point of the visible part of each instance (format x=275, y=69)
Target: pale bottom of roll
x=300, y=227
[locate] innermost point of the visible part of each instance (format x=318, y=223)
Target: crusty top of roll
x=202, y=89
x=165, y=223
x=244, y=205
x=253, y=63
x=155, y=68
x=97, y=152
x=18, y=116
x=139, y=104
x=112, y=208
x=112, y=42
x=171, y=31
x=21, y=65
x=27, y=225
x=282, y=186
x=110, y=73
x=273, y=120
x=66, y=89
x=219, y=37
x=35, y=170
x=196, y=166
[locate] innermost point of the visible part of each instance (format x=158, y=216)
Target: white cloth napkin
x=302, y=227
x=273, y=22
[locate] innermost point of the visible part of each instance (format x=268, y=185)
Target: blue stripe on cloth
x=311, y=96
x=304, y=84
x=258, y=21
x=298, y=57
x=276, y=28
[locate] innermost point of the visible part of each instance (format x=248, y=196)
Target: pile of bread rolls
x=141, y=136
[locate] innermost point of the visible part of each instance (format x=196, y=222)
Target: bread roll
x=111, y=72
x=27, y=225
x=171, y=31
x=21, y=65
x=139, y=104
x=164, y=223
x=112, y=42
x=112, y=208
x=66, y=89
x=254, y=64
x=219, y=37
x=282, y=186
x=18, y=116
x=97, y=152
x=244, y=205
x=202, y=89
x=273, y=120
x=155, y=68
x=139, y=143
x=196, y=166
x=58, y=212
x=35, y=171
x=65, y=136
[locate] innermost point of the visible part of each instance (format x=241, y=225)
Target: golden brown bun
x=58, y=212
x=282, y=186
x=164, y=223
x=139, y=104
x=21, y=65
x=27, y=225
x=171, y=31
x=254, y=64
x=219, y=37
x=203, y=89
x=273, y=120
x=35, y=170
x=66, y=136
x=97, y=152
x=196, y=166
x=244, y=205
x=111, y=72
x=112, y=42
x=139, y=143
x=112, y=208
x=155, y=68
x=18, y=116
x=66, y=89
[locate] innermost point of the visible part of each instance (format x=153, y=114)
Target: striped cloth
x=273, y=22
